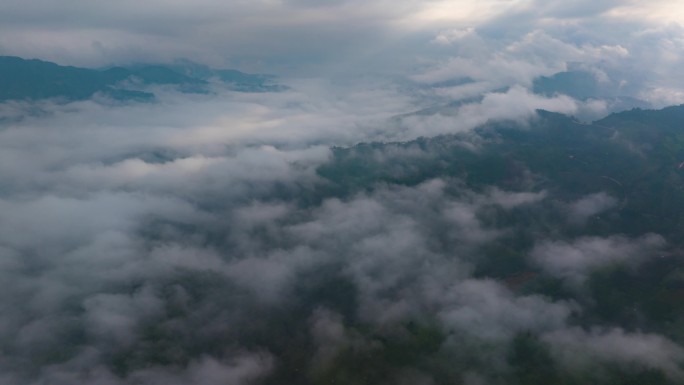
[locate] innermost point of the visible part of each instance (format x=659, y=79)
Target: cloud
x=534, y=39
x=330, y=336
x=307, y=37
x=516, y=104
x=583, y=209
x=241, y=33
x=160, y=243
x=134, y=236
x=578, y=348
x=243, y=369
x=576, y=259
x=196, y=240
x=489, y=311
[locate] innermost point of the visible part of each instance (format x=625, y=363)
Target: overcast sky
x=313, y=36
x=633, y=46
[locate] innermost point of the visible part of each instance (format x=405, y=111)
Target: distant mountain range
x=22, y=79
x=583, y=85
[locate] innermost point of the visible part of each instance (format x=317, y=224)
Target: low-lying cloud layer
x=172, y=243
x=196, y=240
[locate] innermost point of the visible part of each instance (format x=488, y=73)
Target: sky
x=154, y=243
x=635, y=45
x=280, y=35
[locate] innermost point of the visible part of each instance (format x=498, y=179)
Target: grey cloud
x=495, y=64
x=574, y=260
x=575, y=9
x=242, y=369
x=175, y=232
x=270, y=276
x=111, y=318
x=589, y=206
x=489, y=311
x=578, y=348
x=330, y=336
x=507, y=45
x=236, y=32
x=394, y=282
x=303, y=37
x=516, y=104
x=539, y=39
x=394, y=261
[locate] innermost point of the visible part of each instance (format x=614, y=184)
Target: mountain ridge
x=35, y=79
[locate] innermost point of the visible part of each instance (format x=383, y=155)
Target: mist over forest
x=341, y=192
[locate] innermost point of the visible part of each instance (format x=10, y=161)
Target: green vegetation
x=635, y=157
